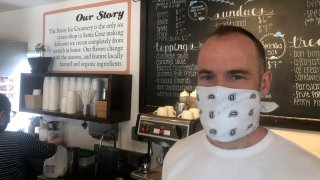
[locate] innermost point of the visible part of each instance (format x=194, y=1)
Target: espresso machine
x=160, y=133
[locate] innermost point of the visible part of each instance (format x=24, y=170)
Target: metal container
x=180, y=107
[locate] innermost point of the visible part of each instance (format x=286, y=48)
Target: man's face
x=232, y=61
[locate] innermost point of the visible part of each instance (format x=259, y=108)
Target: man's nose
x=220, y=81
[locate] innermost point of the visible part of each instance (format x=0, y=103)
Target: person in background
x=232, y=77
x=17, y=147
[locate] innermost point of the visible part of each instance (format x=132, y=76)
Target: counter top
x=155, y=174
x=83, y=173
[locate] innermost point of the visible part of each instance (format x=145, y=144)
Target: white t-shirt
x=273, y=158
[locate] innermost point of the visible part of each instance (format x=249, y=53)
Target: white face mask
x=228, y=114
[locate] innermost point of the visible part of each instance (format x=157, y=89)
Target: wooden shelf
x=119, y=89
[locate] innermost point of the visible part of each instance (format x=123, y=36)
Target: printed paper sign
x=90, y=38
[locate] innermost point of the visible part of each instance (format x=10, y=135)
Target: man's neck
x=251, y=139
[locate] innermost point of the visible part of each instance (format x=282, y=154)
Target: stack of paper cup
x=65, y=86
x=86, y=83
x=71, y=102
x=72, y=83
x=63, y=104
x=54, y=93
x=45, y=98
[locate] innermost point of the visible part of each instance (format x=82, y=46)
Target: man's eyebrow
x=204, y=71
x=238, y=71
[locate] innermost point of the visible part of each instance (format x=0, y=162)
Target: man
x=232, y=77
x=17, y=147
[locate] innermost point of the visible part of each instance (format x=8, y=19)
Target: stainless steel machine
x=160, y=133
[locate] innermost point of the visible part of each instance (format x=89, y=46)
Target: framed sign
x=93, y=38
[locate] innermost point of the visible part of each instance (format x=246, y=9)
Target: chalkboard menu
x=174, y=31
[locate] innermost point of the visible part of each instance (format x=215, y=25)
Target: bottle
x=57, y=165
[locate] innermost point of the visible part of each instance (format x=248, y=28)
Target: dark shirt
x=16, y=148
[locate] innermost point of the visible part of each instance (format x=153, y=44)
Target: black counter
x=126, y=161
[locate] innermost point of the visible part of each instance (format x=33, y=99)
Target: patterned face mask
x=228, y=114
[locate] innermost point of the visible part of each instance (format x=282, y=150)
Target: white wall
x=26, y=25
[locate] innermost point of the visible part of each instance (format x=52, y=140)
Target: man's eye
x=205, y=77
x=237, y=77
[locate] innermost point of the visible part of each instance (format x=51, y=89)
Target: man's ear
x=266, y=82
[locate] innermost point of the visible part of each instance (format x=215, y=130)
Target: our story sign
x=89, y=38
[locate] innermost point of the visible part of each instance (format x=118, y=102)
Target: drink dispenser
x=161, y=133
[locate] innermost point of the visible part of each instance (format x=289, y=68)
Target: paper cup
x=161, y=111
x=186, y=114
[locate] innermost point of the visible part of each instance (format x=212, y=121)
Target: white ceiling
x=10, y=5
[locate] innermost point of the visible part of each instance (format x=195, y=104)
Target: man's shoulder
x=190, y=141
x=187, y=146
x=295, y=158
x=290, y=149
x=282, y=142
